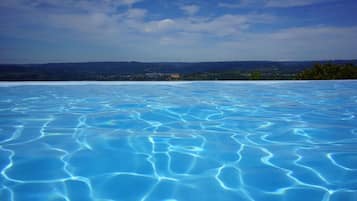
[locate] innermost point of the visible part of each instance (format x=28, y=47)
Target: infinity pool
x=178, y=141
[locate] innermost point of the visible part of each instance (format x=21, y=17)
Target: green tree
x=329, y=72
x=256, y=75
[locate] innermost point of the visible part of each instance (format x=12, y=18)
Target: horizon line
x=216, y=61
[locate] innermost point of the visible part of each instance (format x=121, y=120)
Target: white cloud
x=190, y=9
x=126, y=2
x=224, y=25
x=69, y=5
x=309, y=43
x=241, y=3
x=292, y=3
x=271, y=3
x=136, y=13
x=132, y=22
x=226, y=36
x=229, y=5
x=160, y=25
x=88, y=18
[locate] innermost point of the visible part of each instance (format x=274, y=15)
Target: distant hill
x=147, y=71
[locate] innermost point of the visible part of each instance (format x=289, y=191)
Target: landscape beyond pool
x=178, y=141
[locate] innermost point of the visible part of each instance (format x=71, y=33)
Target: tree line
x=329, y=72
x=78, y=72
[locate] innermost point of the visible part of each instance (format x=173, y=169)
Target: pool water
x=178, y=141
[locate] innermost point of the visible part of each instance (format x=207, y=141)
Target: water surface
x=178, y=141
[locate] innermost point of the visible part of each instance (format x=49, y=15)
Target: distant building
x=153, y=75
x=175, y=76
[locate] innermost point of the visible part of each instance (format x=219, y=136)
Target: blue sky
x=40, y=31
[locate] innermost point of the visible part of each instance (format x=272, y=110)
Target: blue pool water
x=179, y=141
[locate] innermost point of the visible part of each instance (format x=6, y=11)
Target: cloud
x=129, y=24
x=127, y=2
x=158, y=26
x=190, y=9
x=300, y=43
x=292, y=3
x=229, y=5
x=89, y=18
x=271, y=3
x=68, y=5
x=221, y=26
x=136, y=13
x=120, y=25
x=241, y=4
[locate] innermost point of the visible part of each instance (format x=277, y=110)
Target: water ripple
x=185, y=141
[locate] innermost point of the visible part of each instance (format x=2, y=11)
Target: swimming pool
x=180, y=141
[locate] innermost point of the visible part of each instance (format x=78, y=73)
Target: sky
x=42, y=31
